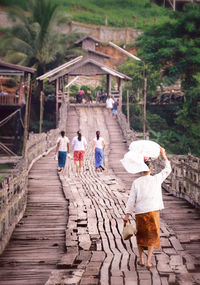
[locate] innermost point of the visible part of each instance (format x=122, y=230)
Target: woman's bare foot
x=140, y=263
x=150, y=265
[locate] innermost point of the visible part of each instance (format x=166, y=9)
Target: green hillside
x=94, y=11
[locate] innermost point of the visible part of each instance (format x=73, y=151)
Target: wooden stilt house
x=14, y=84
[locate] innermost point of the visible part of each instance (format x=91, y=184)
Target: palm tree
x=34, y=41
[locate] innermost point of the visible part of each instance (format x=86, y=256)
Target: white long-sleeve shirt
x=146, y=192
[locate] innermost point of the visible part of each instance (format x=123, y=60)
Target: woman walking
x=98, y=148
x=62, y=149
x=146, y=198
x=79, y=143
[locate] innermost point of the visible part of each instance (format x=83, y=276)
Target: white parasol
x=140, y=150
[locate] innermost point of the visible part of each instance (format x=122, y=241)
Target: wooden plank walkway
x=95, y=251
x=181, y=216
x=38, y=241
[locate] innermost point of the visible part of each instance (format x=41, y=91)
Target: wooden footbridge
x=71, y=230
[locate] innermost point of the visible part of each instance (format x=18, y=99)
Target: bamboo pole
x=108, y=85
x=144, y=83
x=41, y=111
x=128, y=110
x=144, y=99
x=120, y=92
x=174, y=5
x=26, y=119
x=57, y=88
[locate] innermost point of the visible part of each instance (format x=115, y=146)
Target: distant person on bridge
x=79, y=96
x=102, y=96
x=98, y=149
x=62, y=149
x=79, y=143
x=109, y=103
x=89, y=95
x=115, y=106
x=146, y=198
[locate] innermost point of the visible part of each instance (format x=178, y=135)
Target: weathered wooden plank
x=37, y=243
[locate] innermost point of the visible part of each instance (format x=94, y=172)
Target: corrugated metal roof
x=107, y=70
x=97, y=52
x=16, y=67
x=59, y=68
x=87, y=37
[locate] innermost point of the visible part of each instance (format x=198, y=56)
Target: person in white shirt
x=109, y=103
x=79, y=143
x=62, y=149
x=146, y=198
x=98, y=149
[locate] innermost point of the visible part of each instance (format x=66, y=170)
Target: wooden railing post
x=124, y=22
x=106, y=21
x=135, y=21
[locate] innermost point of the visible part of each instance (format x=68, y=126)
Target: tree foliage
x=173, y=49
x=134, y=69
x=174, y=46
x=34, y=40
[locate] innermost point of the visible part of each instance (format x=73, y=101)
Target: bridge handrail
x=13, y=189
x=184, y=181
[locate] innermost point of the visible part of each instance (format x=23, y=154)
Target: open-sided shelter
x=90, y=65
x=9, y=70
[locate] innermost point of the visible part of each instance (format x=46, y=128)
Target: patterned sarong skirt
x=99, y=155
x=148, y=229
x=62, y=155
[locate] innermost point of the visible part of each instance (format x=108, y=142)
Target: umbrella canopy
x=140, y=150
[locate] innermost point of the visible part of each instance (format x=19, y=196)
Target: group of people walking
x=79, y=144
x=145, y=199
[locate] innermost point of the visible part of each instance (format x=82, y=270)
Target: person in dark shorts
x=115, y=106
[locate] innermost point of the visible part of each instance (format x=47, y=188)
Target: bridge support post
x=27, y=114
x=128, y=112
x=41, y=110
x=108, y=85
x=120, y=92
x=21, y=90
x=144, y=91
x=57, y=89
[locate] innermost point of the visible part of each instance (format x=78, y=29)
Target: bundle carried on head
x=140, y=154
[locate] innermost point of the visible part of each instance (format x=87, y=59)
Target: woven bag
x=128, y=231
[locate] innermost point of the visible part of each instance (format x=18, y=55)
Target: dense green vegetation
x=94, y=12
x=34, y=40
x=174, y=49
x=5, y=166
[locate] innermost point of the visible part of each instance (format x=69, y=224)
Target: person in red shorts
x=79, y=143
